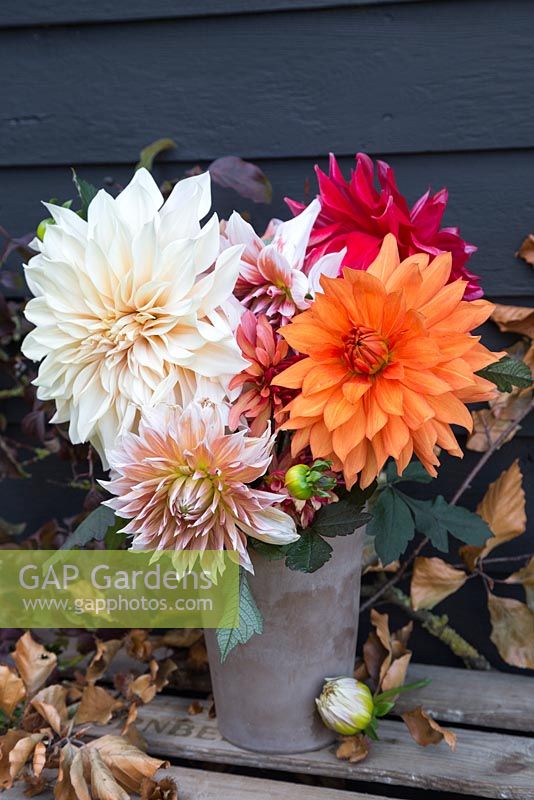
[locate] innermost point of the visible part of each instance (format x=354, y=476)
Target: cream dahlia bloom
x=184, y=484
x=132, y=307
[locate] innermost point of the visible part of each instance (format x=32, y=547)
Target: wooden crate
x=494, y=756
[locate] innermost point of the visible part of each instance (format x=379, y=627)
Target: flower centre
x=365, y=350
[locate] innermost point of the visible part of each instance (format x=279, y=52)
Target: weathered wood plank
x=195, y=784
x=485, y=699
x=485, y=764
x=416, y=77
x=33, y=12
x=491, y=199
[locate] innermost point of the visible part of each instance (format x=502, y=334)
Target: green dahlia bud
x=43, y=225
x=345, y=705
x=304, y=482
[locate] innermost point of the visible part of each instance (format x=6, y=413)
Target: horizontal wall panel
x=491, y=199
x=35, y=12
x=401, y=78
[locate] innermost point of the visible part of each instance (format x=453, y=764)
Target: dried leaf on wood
x=7, y=743
x=12, y=690
x=433, y=580
x=139, y=645
x=185, y=637
x=514, y=319
x=383, y=649
x=525, y=577
x=353, y=748
x=512, y=631
x=97, y=705
x=51, y=704
x=64, y=789
x=426, y=730
x=197, y=659
x=104, y=654
x=194, y=708
x=526, y=251
x=33, y=662
x=103, y=782
x=128, y=764
x=21, y=752
x=165, y=789
x=39, y=758
x=130, y=719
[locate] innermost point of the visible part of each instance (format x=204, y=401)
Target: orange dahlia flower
x=390, y=365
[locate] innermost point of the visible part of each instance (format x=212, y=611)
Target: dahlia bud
x=345, y=705
x=43, y=225
x=304, y=482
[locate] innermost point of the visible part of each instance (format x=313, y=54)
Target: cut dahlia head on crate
x=264, y=394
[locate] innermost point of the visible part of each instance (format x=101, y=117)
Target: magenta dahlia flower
x=357, y=216
x=184, y=484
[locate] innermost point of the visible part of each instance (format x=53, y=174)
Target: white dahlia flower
x=132, y=307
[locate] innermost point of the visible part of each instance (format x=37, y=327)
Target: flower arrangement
x=262, y=394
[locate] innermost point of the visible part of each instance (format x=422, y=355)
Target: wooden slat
x=485, y=764
x=485, y=699
x=195, y=784
x=34, y=12
x=443, y=76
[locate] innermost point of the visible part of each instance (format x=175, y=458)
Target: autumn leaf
x=512, y=630
x=128, y=764
x=130, y=719
x=7, y=743
x=12, y=690
x=104, y=654
x=39, y=758
x=139, y=645
x=383, y=649
x=34, y=662
x=165, y=789
x=353, y=748
x=64, y=790
x=514, y=319
x=433, y=580
x=503, y=508
x=51, y=704
x=185, y=637
x=97, y=705
x=103, y=783
x=21, y=752
x=525, y=577
x=194, y=708
x=526, y=251
x=426, y=730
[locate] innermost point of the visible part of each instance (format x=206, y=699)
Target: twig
x=465, y=484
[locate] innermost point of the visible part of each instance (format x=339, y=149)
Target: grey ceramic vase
x=265, y=691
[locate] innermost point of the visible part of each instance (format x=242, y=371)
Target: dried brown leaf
x=51, y=704
x=194, y=708
x=198, y=657
x=433, y=580
x=64, y=790
x=353, y=748
x=21, y=752
x=165, y=789
x=7, y=743
x=526, y=251
x=393, y=646
x=97, y=705
x=514, y=319
x=185, y=637
x=164, y=670
x=104, y=786
x=512, y=631
x=34, y=663
x=487, y=428
x=503, y=508
x=35, y=784
x=143, y=687
x=139, y=645
x=104, y=654
x=130, y=719
x=128, y=764
x=39, y=758
x=80, y=775
x=525, y=577
x=426, y=730
x=12, y=690
x=396, y=674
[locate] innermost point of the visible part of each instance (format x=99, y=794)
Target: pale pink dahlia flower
x=271, y=279
x=184, y=484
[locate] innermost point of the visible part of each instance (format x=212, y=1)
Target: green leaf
x=465, y=525
x=382, y=708
x=250, y=621
x=414, y=472
x=408, y=687
x=309, y=553
x=339, y=519
x=392, y=525
x=272, y=552
x=93, y=528
x=86, y=192
x=149, y=153
x=507, y=373
x=427, y=522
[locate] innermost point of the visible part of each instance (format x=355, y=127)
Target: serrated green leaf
x=465, y=525
x=427, y=522
x=414, y=472
x=392, y=525
x=94, y=528
x=309, y=553
x=149, y=153
x=339, y=519
x=86, y=192
x=272, y=552
x=507, y=373
x=250, y=621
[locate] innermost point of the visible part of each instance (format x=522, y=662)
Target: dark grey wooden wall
x=442, y=90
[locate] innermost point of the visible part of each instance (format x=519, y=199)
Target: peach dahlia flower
x=184, y=484
x=130, y=307
x=390, y=365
